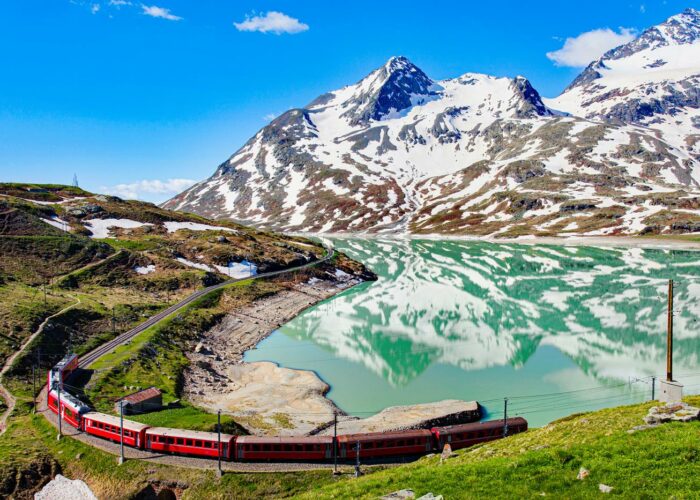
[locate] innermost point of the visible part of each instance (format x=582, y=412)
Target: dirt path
x=6, y=394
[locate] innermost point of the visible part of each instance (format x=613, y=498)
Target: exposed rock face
x=399, y=152
x=62, y=488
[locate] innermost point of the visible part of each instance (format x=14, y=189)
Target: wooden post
x=335, y=443
x=218, y=430
x=58, y=407
x=121, y=432
x=669, y=334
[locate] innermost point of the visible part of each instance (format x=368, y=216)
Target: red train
x=62, y=370
x=252, y=448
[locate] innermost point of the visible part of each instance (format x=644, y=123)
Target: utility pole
x=121, y=432
x=669, y=334
x=357, y=460
x=33, y=389
x=114, y=323
x=218, y=429
x=653, y=388
x=335, y=443
x=505, y=417
x=58, y=391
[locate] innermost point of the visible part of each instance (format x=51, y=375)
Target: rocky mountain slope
x=400, y=152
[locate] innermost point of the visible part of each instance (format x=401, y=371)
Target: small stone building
x=141, y=402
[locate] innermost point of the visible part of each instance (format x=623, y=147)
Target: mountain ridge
x=399, y=152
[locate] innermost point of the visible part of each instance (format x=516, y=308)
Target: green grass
x=142, y=245
x=663, y=462
x=187, y=417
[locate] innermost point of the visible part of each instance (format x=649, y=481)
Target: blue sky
x=130, y=96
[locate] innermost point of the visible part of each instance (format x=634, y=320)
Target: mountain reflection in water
x=597, y=315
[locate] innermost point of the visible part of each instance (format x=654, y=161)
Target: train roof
x=488, y=424
x=187, y=434
x=112, y=420
x=67, y=359
x=284, y=440
x=71, y=400
x=373, y=436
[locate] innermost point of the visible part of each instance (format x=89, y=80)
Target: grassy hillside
x=656, y=463
x=59, y=258
x=662, y=462
x=51, y=259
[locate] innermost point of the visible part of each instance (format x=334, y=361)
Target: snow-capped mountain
x=653, y=81
x=400, y=152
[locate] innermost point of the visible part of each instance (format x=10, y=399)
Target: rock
x=430, y=496
x=399, y=494
x=604, y=488
x=642, y=428
x=61, y=488
x=582, y=474
x=446, y=453
x=672, y=412
x=79, y=456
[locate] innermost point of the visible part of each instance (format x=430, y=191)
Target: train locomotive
x=345, y=447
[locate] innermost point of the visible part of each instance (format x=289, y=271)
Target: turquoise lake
x=556, y=329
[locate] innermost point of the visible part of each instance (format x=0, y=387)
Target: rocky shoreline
x=268, y=399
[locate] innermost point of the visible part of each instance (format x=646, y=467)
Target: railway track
x=107, y=347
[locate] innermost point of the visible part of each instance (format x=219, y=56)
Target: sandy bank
x=418, y=416
x=263, y=397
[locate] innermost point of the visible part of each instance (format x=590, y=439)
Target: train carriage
x=109, y=427
x=464, y=435
x=284, y=448
x=385, y=444
x=72, y=408
x=185, y=442
x=62, y=370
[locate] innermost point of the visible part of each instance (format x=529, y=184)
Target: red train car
x=62, y=370
x=284, y=448
x=185, y=442
x=384, y=444
x=464, y=435
x=72, y=408
x=109, y=427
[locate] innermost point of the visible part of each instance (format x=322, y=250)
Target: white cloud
x=269, y=117
x=119, y=3
x=95, y=8
x=272, y=22
x=589, y=46
x=160, y=12
x=149, y=189
x=643, y=9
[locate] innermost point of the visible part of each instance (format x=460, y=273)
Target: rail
x=89, y=358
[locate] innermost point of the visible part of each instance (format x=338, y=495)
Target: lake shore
x=268, y=399
x=593, y=241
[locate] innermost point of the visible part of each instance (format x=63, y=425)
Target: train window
x=266, y=447
x=288, y=447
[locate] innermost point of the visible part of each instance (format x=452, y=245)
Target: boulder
x=604, y=488
x=583, y=473
x=672, y=412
